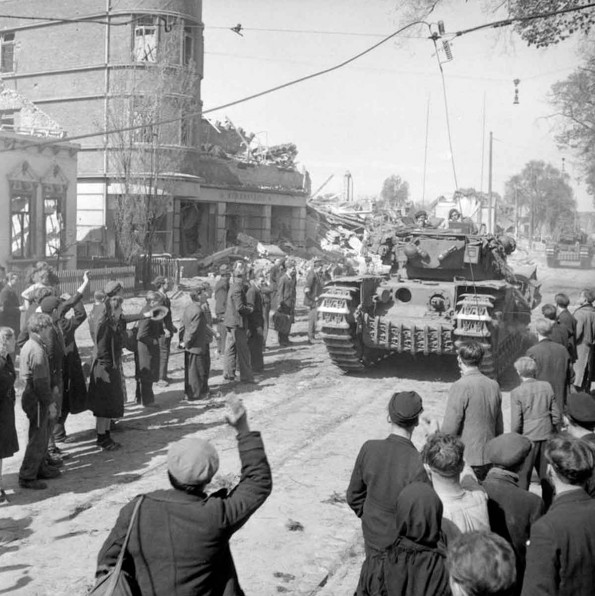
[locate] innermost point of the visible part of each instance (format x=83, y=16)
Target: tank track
x=475, y=321
x=338, y=314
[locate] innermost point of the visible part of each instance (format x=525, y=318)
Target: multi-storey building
x=122, y=78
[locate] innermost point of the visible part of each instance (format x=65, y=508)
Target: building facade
x=134, y=68
x=38, y=201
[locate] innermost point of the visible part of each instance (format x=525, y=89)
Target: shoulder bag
x=117, y=582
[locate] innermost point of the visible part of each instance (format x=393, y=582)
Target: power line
x=314, y=32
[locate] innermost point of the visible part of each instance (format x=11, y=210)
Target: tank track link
x=339, y=329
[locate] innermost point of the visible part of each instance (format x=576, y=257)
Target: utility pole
x=491, y=214
x=516, y=212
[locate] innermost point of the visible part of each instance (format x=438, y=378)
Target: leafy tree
x=540, y=32
x=574, y=99
x=395, y=192
x=544, y=193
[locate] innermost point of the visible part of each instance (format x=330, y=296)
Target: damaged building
x=138, y=75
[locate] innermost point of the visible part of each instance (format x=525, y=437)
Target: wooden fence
x=71, y=279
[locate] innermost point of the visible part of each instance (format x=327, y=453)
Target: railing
x=71, y=279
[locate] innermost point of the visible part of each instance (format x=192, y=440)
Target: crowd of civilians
x=457, y=517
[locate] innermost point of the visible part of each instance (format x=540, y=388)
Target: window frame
x=4, y=44
x=136, y=27
x=25, y=190
x=54, y=192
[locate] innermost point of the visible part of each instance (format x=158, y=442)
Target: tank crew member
x=421, y=219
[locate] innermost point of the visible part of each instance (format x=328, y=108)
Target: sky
x=371, y=117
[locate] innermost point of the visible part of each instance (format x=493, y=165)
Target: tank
x=570, y=247
x=440, y=288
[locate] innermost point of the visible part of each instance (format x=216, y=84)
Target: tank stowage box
x=443, y=288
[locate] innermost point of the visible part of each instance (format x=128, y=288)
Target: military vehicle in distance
x=570, y=247
x=443, y=287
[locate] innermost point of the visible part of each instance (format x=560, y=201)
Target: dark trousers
x=255, y=345
x=196, y=375
x=222, y=329
x=536, y=460
x=164, y=348
x=37, y=444
x=144, y=384
x=237, y=348
x=312, y=318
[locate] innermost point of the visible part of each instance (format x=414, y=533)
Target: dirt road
x=313, y=418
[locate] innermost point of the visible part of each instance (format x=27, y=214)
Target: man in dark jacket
x=220, y=292
x=312, y=291
x=382, y=469
x=180, y=541
x=553, y=362
x=255, y=323
x=236, y=324
x=559, y=334
x=562, y=549
x=512, y=510
x=163, y=285
x=195, y=337
x=474, y=408
x=10, y=311
x=585, y=340
x=285, y=299
x=567, y=320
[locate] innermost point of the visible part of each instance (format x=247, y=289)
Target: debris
x=294, y=526
x=336, y=498
x=286, y=577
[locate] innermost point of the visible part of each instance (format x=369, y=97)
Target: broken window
x=7, y=119
x=145, y=40
x=54, y=199
x=7, y=52
x=21, y=194
x=187, y=47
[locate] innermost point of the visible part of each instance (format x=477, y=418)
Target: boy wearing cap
x=162, y=285
x=180, y=544
x=382, y=469
x=553, y=362
x=534, y=413
x=560, y=554
x=512, y=510
x=474, y=408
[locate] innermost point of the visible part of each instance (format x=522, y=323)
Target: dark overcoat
x=10, y=314
x=382, y=469
x=9, y=443
x=562, y=549
x=512, y=512
x=106, y=394
x=147, y=337
x=285, y=296
x=314, y=286
x=254, y=300
x=180, y=542
x=193, y=329
x=567, y=320
x=553, y=366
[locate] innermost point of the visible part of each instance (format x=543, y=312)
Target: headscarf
x=415, y=564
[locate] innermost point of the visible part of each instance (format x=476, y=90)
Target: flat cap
x=192, y=461
x=581, y=407
x=420, y=213
x=111, y=288
x=508, y=450
x=159, y=280
x=49, y=304
x=404, y=407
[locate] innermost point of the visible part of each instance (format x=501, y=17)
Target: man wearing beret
x=382, y=469
x=162, y=285
x=474, y=408
x=512, y=509
x=180, y=544
x=580, y=423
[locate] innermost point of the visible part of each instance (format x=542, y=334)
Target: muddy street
x=313, y=418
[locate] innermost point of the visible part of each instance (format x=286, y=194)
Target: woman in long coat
x=146, y=357
x=9, y=443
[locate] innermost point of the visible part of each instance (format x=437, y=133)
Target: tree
x=574, y=99
x=145, y=162
x=543, y=192
x=395, y=192
x=541, y=32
